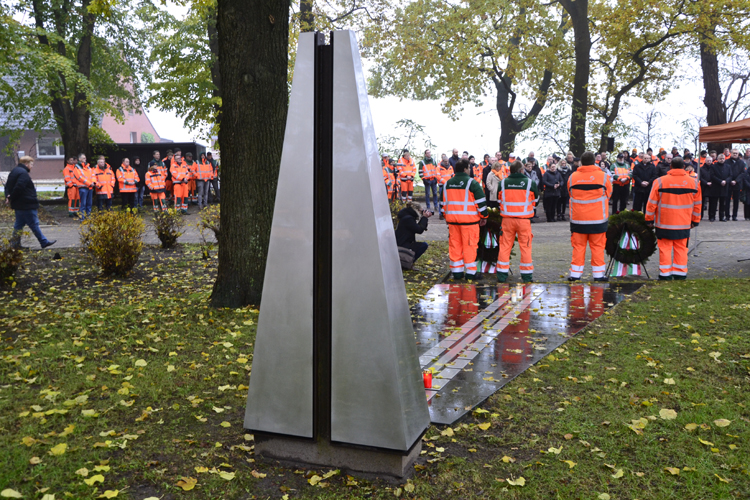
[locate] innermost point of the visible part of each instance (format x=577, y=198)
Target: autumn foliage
x=10, y=258
x=113, y=239
x=168, y=227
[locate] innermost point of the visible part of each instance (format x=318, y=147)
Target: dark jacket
x=408, y=227
x=453, y=160
x=142, y=168
x=20, y=189
x=663, y=168
x=720, y=172
x=549, y=179
x=705, y=178
x=644, y=171
x=737, y=168
x=565, y=175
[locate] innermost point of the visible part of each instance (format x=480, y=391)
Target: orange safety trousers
x=159, y=201
x=74, y=200
x=512, y=227
x=180, y=196
x=669, y=266
x=462, y=248
x=596, y=242
x=191, y=190
x=407, y=189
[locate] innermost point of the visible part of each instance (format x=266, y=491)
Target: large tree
x=458, y=53
x=578, y=10
x=253, y=38
x=73, y=62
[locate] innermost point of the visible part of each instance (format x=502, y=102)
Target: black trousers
x=723, y=204
x=620, y=196
x=640, y=200
x=128, y=200
x=747, y=210
x=735, y=196
x=562, y=205
x=704, y=202
x=550, y=207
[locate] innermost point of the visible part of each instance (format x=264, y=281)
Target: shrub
x=168, y=227
x=10, y=258
x=396, y=207
x=114, y=240
x=210, y=220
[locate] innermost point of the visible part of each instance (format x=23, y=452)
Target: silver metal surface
x=377, y=393
x=280, y=398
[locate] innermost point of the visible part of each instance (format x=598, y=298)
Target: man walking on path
x=517, y=201
x=590, y=190
x=674, y=207
x=20, y=194
x=428, y=172
x=465, y=209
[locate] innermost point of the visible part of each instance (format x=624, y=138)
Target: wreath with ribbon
x=634, y=223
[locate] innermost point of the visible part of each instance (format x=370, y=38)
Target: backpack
x=407, y=258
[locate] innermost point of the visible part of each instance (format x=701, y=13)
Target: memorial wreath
x=634, y=224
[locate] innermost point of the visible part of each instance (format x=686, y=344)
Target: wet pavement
x=475, y=339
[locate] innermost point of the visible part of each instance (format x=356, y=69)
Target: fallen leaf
x=59, y=449
x=691, y=426
x=89, y=413
x=447, y=432
x=667, y=414
x=484, y=426
x=218, y=410
x=109, y=494
x=669, y=381
x=8, y=493
x=35, y=460
x=225, y=424
x=28, y=440
x=556, y=451
x=508, y=460
x=675, y=471
x=618, y=474
x=201, y=470
x=603, y=496
x=226, y=475
x=315, y=480
x=83, y=472
x=141, y=362
x=257, y=474
x=722, y=422
x=707, y=443
x=723, y=480
x=570, y=463
x=516, y=482
x=187, y=483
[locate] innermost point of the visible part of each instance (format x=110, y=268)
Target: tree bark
x=253, y=43
x=578, y=12
x=716, y=114
x=510, y=126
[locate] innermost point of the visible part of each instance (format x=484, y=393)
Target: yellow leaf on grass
x=732, y=447
x=141, y=362
x=516, y=482
x=691, y=426
x=225, y=424
x=226, y=475
x=102, y=468
x=48, y=496
x=669, y=381
x=59, y=449
x=447, y=432
x=484, y=426
x=257, y=474
x=603, y=496
x=667, y=414
x=28, y=440
x=35, y=460
x=83, y=472
x=675, y=471
x=618, y=474
x=67, y=430
x=723, y=480
x=707, y=443
x=8, y=493
x=201, y=470
x=170, y=368
x=315, y=480
x=187, y=483
x=218, y=410
x=508, y=460
x=109, y=494
x=94, y=479
x=89, y=413
x=556, y=451
x=570, y=463
x=722, y=422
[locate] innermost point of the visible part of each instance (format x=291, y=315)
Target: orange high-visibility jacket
x=674, y=203
x=590, y=189
x=429, y=171
x=192, y=170
x=84, y=176
x=205, y=171
x=407, y=170
x=517, y=196
x=127, y=178
x=105, y=181
x=463, y=200
x=622, y=175
x=477, y=171
x=156, y=181
x=180, y=172
x=445, y=174
x=69, y=175
x=387, y=178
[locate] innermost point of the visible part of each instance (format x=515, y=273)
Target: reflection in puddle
x=475, y=339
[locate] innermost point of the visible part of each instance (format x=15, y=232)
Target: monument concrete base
x=357, y=459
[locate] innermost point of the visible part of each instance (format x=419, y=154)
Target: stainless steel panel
x=280, y=398
x=377, y=393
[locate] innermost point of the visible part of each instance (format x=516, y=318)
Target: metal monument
x=336, y=378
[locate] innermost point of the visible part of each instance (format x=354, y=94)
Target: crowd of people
x=175, y=180
x=580, y=190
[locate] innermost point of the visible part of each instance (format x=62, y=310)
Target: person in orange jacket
x=155, y=181
x=192, y=184
x=204, y=172
x=180, y=178
x=445, y=173
x=71, y=190
x=465, y=209
x=105, y=184
x=517, y=198
x=590, y=189
x=128, y=179
x=674, y=207
x=407, y=172
x=84, y=179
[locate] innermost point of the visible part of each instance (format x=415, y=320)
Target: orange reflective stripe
x=513, y=205
x=460, y=209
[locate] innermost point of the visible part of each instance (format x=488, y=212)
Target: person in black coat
x=141, y=168
x=565, y=171
x=408, y=228
x=20, y=194
x=744, y=182
x=737, y=167
x=644, y=174
x=704, y=176
x=721, y=180
x=553, y=185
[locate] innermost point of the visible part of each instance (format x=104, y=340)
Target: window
x=133, y=137
x=49, y=147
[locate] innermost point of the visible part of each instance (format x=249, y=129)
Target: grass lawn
x=136, y=388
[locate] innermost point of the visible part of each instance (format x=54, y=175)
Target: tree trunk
x=253, y=45
x=715, y=112
x=578, y=12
